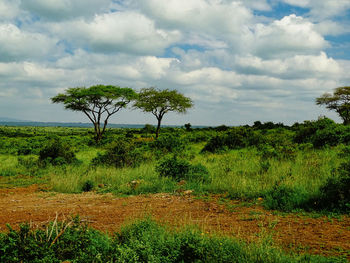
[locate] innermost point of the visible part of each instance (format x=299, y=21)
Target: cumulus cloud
x=8, y=9
x=65, y=9
x=288, y=36
x=16, y=44
x=322, y=9
x=296, y=67
x=204, y=19
x=129, y=32
x=237, y=66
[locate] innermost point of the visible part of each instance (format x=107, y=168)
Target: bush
x=180, y=169
x=7, y=173
x=57, y=152
x=120, y=154
x=285, y=198
x=335, y=193
x=169, y=143
x=88, y=186
x=59, y=242
x=237, y=138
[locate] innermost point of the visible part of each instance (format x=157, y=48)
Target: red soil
x=107, y=213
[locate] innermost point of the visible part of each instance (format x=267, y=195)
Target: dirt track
x=107, y=213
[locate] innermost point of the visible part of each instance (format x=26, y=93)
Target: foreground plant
x=143, y=241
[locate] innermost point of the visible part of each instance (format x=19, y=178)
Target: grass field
x=303, y=168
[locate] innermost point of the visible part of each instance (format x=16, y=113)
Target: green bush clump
x=335, y=193
x=180, y=169
x=88, y=186
x=285, y=198
x=60, y=241
x=236, y=138
x=8, y=173
x=122, y=153
x=169, y=143
x=57, y=152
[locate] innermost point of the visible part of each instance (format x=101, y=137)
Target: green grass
x=237, y=173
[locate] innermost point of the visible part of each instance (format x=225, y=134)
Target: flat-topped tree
x=97, y=102
x=159, y=102
x=339, y=101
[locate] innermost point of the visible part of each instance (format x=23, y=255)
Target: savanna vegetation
x=303, y=167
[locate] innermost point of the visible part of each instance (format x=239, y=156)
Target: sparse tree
x=339, y=101
x=97, y=102
x=160, y=102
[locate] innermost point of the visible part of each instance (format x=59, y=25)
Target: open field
x=285, y=184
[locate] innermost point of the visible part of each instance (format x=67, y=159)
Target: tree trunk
x=158, y=127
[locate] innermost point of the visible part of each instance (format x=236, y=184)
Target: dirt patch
x=107, y=213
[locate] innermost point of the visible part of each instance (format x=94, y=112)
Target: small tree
x=159, y=102
x=98, y=103
x=339, y=101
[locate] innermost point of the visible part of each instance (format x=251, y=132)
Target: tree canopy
x=339, y=101
x=97, y=102
x=159, y=102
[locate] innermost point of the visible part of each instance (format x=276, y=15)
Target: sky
x=239, y=61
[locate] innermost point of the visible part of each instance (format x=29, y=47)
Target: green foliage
x=143, y=241
x=335, y=193
x=159, y=102
x=169, y=143
x=97, y=102
x=148, y=129
x=88, y=186
x=61, y=241
x=8, y=173
x=236, y=138
x=323, y=132
x=285, y=198
x=179, y=169
x=57, y=152
x=122, y=153
x=339, y=101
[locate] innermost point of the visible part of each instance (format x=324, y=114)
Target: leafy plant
x=120, y=154
x=57, y=152
x=179, y=169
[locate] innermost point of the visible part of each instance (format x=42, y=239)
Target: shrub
x=215, y=144
x=169, y=143
x=122, y=153
x=88, y=186
x=8, y=173
x=285, y=198
x=237, y=138
x=179, y=169
x=148, y=128
x=335, y=193
x=57, y=152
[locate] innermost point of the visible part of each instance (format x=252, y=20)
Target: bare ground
x=326, y=236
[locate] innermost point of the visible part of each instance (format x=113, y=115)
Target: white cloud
x=16, y=45
x=296, y=67
x=8, y=9
x=332, y=28
x=120, y=31
x=321, y=9
x=288, y=36
x=204, y=19
x=65, y=9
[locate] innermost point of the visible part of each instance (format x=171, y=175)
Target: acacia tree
x=97, y=102
x=160, y=102
x=339, y=101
